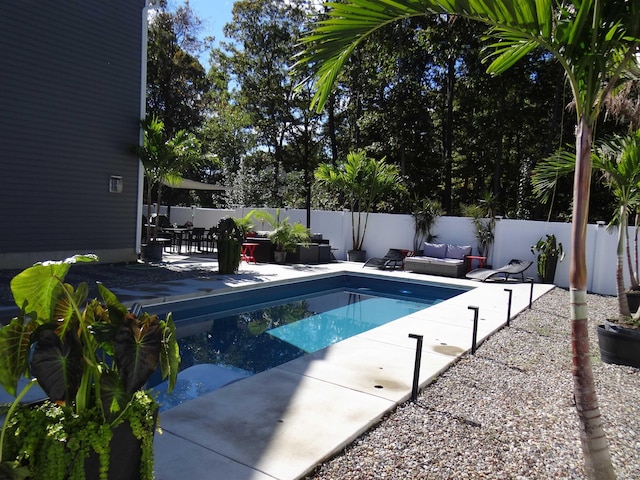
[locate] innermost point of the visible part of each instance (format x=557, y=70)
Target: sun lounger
x=393, y=258
x=514, y=267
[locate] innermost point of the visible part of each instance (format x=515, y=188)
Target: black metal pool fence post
x=530, y=292
x=474, y=337
x=416, y=367
x=509, y=305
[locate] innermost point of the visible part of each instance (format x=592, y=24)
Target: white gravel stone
x=506, y=412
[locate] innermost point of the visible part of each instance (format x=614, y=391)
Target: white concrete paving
x=281, y=423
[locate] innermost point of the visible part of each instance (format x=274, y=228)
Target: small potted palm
x=92, y=360
x=286, y=237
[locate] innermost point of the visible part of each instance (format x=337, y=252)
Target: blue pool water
x=227, y=337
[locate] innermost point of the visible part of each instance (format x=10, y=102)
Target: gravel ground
x=505, y=413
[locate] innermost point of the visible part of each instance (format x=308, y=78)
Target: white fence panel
x=513, y=238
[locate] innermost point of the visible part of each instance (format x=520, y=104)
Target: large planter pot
x=357, y=255
x=125, y=456
x=618, y=345
x=280, y=257
x=152, y=251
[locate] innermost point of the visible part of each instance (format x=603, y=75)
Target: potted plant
x=361, y=181
x=163, y=160
x=549, y=252
x=92, y=359
x=285, y=236
x=484, y=223
x=230, y=238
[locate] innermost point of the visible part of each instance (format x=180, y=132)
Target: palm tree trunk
x=594, y=441
x=623, y=304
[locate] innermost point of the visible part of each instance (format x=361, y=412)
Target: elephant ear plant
x=92, y=358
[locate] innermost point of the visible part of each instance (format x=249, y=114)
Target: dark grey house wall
x=70, y=75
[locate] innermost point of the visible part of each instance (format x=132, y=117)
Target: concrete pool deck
x=281, y=423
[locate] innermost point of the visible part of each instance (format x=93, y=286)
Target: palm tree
x=164, y=159
x=361, y=181
x=595, y=41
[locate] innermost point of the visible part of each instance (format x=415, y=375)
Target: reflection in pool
x=219, y=350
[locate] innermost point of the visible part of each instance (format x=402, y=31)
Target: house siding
x=69, y=115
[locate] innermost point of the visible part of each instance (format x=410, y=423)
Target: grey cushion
x=458, y=252
x=435, y=250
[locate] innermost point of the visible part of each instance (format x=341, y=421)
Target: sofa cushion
x=435, y=250
x=458, y=252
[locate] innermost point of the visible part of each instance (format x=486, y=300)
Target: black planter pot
x=618, y=345
x=633, y=299
x=152, y=251
x=125, y=456
x=357, y=255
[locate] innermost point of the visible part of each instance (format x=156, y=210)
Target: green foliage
x=164, y=159
x=361, y=181
x=89, y=356
x=52, y=441
x=617, y=162
x=287, y=235
x=245, y=224
x=549, y=254
x=263, y=35
x=425, y=214
x=484, y=223
x=284, y=235
x=176, y=82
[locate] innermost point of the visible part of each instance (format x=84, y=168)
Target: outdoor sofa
x=440, y=259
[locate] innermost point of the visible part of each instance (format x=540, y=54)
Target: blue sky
x=214, y=14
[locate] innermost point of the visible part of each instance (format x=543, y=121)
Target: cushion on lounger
x=435, y=250
x=458, y=252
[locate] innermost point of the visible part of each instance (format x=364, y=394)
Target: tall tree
x=595, y=41
x=176, y=82
x=263, y=35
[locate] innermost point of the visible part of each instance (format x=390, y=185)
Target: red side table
x=481, y=261
x=247, y=252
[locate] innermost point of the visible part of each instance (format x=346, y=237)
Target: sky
x=214, y=15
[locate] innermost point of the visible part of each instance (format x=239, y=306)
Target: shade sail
x=187, y=184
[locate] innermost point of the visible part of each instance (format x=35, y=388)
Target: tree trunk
x=594, y=441
x=331, y=127
x=447, y=134
x=623, y=304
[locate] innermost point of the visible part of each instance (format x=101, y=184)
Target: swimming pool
x=228, y=336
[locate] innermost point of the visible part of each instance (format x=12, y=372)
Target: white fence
x=513, y=238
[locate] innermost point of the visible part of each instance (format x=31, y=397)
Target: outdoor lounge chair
x=514, y=267
x=393, y=258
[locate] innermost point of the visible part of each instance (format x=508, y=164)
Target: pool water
x=220, y=344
